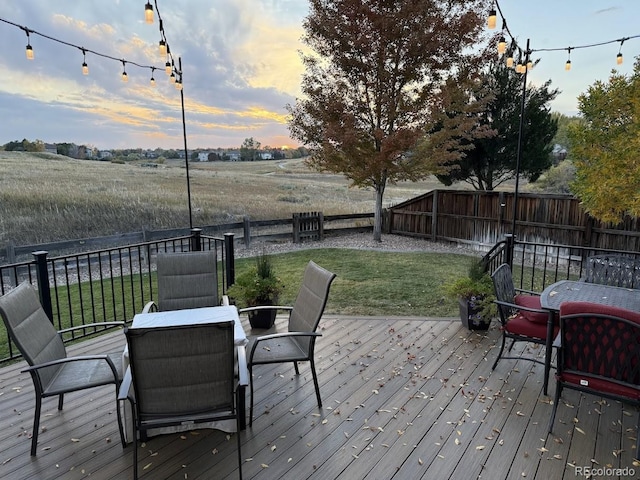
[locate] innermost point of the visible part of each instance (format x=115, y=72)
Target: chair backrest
x=504, y=290
x=30, y=329
x=614, y=270
x=310, y=301
x=182, y=371
x=600, y=346
x=187, y=280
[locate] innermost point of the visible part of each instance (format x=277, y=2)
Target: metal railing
x=537, y=265
x=104, y=285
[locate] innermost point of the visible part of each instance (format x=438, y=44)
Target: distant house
x=104, y=154
x=232, y=156
x=266, y=155
x=203, y=156
x=50, y=148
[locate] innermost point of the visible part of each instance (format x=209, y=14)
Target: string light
x=85, y=67
x=509, y=60
x=125, y=77
x=29, y=50
x=491, y=21
x=172, y=78
x=162, y=47
x=153, y=80
x=148, y=13
x=502, y=45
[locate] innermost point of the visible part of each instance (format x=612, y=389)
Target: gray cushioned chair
x=182, y=375
x=298, y=343
x=186, y=280
x=52, y=372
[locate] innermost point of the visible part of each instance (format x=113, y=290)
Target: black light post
x=184, y=134
x=519, y=150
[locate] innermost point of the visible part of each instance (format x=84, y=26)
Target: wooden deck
x=404, y=398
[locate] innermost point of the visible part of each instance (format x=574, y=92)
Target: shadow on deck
x=402, y=398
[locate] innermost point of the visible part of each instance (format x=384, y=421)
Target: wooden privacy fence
x=482, y=218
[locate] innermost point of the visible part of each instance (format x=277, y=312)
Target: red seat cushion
x=531, y=301
x=520, y=325
x=601, y=385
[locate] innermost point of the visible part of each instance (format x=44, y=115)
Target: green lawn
x=375, y=283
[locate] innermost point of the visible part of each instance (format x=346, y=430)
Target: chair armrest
x=90, y=325
x=520, y=307
x=150, y=307
x=125, y=386
x=530, y=292
x=79, y=358
x=266, y=307
x=280, y=335
x=225, y=301
x=243, y=373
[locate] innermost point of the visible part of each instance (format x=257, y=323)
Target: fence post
x=229, y=259
x=42, y=277
x=246, y=227
x=196, y=239
x=296, y=228
x=321, y=225
x=510, y=246
x=434, y=216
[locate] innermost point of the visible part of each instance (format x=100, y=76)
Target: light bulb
x=29, y=52
x=167, y=68
x=529, y=65
x=153, y=82
x=567, y=66
x=178, y=85
x=502, y=45
x=172, y=78
x=148, y=13
x=125, y=77
x=162, y=47
x=492, y=20
x=85, y=68
x=510, y=61
x=619, y=59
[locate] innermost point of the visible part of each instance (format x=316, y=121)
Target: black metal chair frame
x=505, y=293
x=52, y=372
x=299, y=341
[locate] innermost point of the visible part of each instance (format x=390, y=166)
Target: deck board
x=403, y=398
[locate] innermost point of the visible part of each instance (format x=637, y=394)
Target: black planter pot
x=470, y=316
x=262, y=318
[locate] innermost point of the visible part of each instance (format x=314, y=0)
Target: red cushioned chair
x=523, y=319
x=599, y=354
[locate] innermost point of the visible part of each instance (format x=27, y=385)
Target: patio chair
x=298, y=343
x=612, y=269
x=183, y=375
x=186, y=280
x=598, y=354
x=52, y=372
x=523, y=319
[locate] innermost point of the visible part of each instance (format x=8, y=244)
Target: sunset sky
x=241, y=66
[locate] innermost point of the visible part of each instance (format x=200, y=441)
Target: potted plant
x=258, y=286
x=475, y=296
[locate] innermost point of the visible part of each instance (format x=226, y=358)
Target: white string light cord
x=174, y=74
x=525, y=62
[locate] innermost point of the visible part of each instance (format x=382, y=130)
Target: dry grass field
x=46, y=197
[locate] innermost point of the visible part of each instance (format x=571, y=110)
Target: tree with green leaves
x=375, y=84
x=606, y=147
x=492, y=160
